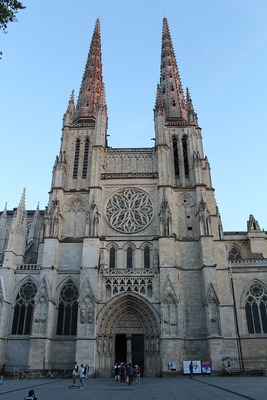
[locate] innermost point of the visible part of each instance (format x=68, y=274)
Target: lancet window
x=23, y=312
x=129, y=257
x=76, y=159
x=146, y=257
x=256, y=309
x=67, y=310
x=186, y=165
x=175, y=156
x=112, y=258
x=85, y=158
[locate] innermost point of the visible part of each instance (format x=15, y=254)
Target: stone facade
x=129, y=261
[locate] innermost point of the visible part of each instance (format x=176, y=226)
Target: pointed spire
x=4, y=213
x=68, y=116
x=159, y=105
x=92, y=83
x=3, y=223
x=170, y=82
x=191, y=115
x=252, y=224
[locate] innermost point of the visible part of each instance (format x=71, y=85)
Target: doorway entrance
x=134, y=354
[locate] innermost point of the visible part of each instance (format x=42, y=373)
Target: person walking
x=86, y=371
x=130, y=373
x=2, y=374
x=191, y=368
x=31, y=395
x=137, y=373
x=82, y=376
x=117, y=373
x=74, y=373
x=122, y=374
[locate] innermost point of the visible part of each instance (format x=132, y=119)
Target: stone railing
x=28, y=267
x=128, y=271
x=248, y=262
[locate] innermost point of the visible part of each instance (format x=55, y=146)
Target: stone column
x=129, y=348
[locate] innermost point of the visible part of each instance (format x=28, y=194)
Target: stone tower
x=128, y=262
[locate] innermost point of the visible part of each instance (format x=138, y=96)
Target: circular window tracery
x=129, y=210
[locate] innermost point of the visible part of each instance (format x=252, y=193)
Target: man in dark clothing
x=130, y=373
x=31, y=395
x=191, y=369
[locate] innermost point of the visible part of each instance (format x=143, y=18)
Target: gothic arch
x=74, y=217
x=254, y=281
x=112, y=244
x=146, y=244
x=255, y=303
x=234, y=252
x=132, y=305
x=26, y=279
x=63, y=283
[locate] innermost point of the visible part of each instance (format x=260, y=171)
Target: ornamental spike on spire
x=170, y=82
x=68, y=116
x=191, y=114
x=92, y=82
x=159, y=105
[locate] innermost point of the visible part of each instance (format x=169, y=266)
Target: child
x=31, y=395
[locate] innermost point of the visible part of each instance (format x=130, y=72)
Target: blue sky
x=221, y=52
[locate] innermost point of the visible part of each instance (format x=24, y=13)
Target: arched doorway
x=128, y=331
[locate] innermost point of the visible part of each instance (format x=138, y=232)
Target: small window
x=146, y=257
x=76, y=159
x=112, y=257
x=129, y=257
x=234, y=254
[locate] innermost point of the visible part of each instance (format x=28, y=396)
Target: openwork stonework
x=129, y=210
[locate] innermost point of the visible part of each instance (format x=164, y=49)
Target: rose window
x=129, y=210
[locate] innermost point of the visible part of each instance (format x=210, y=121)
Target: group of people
x=82, y=372
x=126, y=374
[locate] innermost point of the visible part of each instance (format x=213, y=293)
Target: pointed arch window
x=234, y=254
x=76, y=159
x=146, y=257
x=112, y=258
x=256, y=309
x=67, y=310
x=129, y=257
x=23, y=312
x=186, y=165
x=175, y=156
x=85, y=158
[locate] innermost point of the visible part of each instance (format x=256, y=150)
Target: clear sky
x=221, y=52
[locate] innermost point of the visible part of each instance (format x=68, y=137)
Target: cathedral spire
x=92, y=82
x=170, y=82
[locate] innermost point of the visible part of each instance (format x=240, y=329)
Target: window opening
x=256, y=306
x=85, y=159
x=67, y=310
x=129, y=257
x=76, y=159
x=112, y=257
x=23, y=312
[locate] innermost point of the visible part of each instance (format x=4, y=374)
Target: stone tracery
x=129, y=210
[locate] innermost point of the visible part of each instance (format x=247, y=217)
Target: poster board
x=206, y=367
x=196, y=367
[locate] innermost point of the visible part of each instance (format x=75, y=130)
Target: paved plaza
x=178, y=388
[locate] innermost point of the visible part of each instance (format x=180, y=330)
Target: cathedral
x=129, y=261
